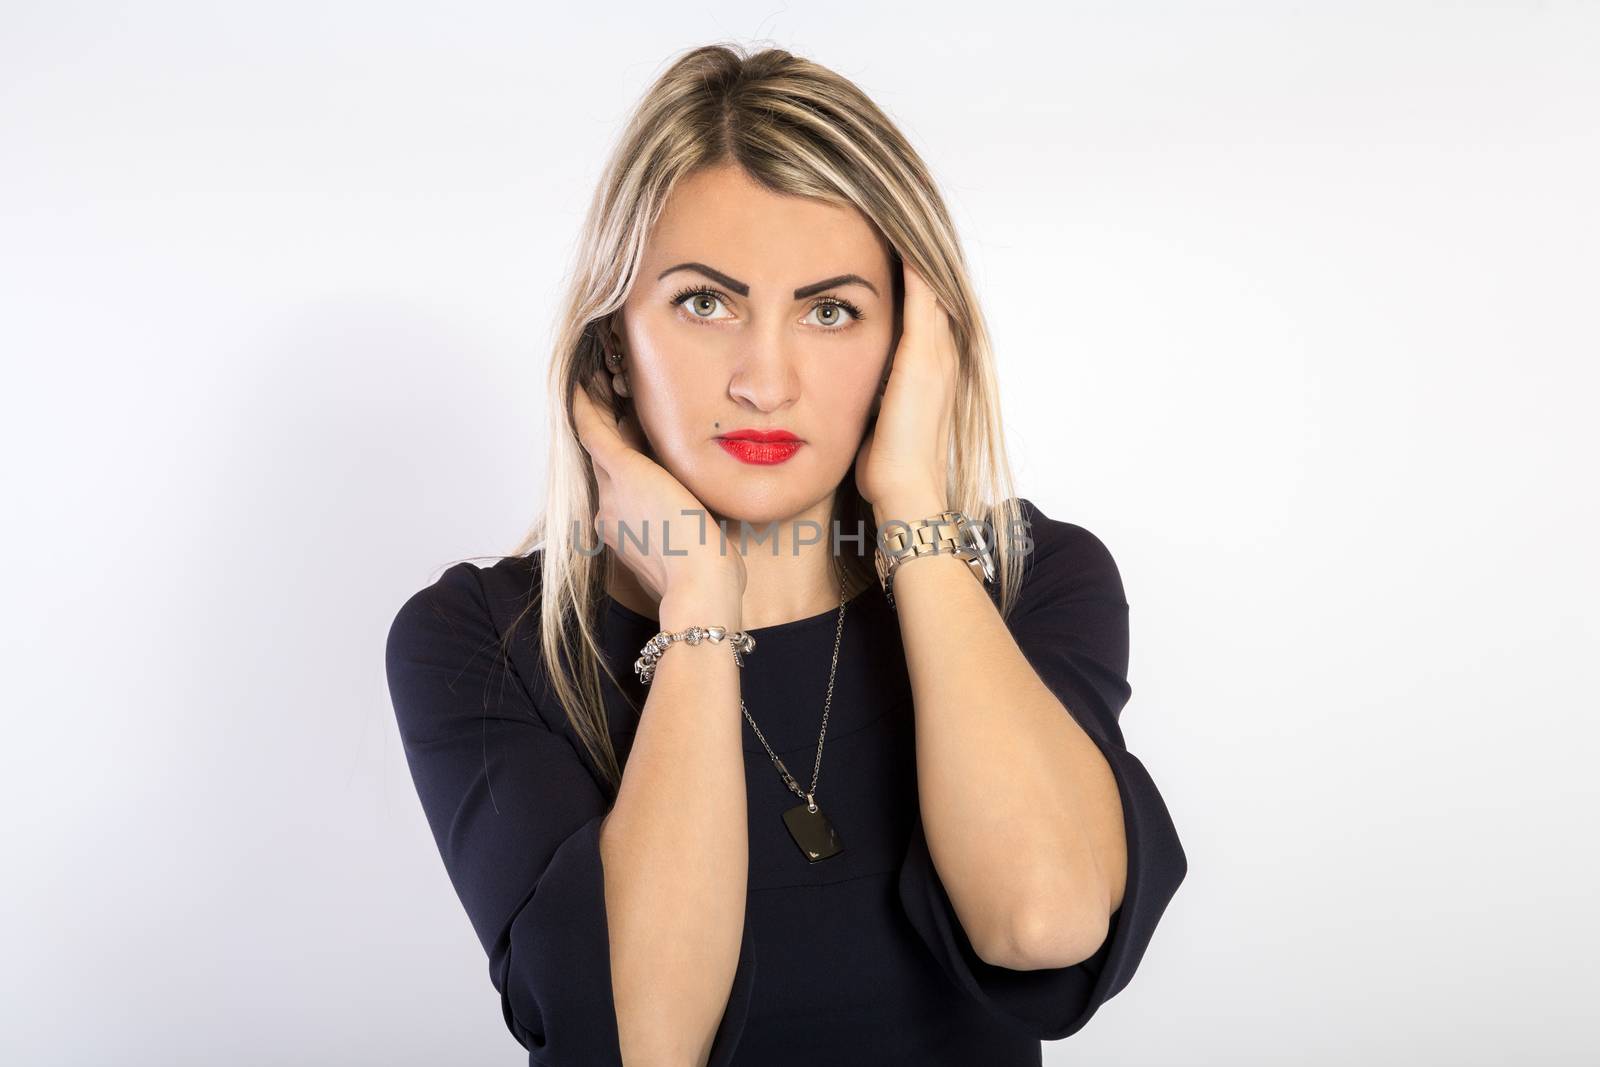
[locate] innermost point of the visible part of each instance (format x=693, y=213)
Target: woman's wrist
x=909, y=505
x=703, y=600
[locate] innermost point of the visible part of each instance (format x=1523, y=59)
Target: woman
x=639, y=827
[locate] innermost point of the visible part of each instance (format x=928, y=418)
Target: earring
x=619, y=380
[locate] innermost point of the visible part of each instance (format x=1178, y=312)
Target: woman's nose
x=766, y=380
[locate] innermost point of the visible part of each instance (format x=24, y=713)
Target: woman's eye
x=831, y=314
x=701, y=303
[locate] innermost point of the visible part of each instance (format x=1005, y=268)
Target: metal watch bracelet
x=946, y=533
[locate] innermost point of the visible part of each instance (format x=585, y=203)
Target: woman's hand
x=905, y=452
x=636, y=490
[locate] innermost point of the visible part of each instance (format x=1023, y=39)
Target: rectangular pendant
x=812, y=832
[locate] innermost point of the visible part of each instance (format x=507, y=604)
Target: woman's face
x=740, y=319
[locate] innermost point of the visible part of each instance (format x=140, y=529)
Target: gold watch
x=948, y=532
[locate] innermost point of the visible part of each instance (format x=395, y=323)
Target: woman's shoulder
x=1060, y=557
x=464, y=609
x=472, y=617
x=469, y=591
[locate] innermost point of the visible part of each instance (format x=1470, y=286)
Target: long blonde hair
x=799, y=129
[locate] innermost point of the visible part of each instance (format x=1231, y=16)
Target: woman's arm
x=1021, y=812
x=675, y=846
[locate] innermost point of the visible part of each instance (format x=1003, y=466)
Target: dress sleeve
x=516, y=816
x=1071, y=623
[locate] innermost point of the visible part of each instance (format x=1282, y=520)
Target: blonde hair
x=796, y=128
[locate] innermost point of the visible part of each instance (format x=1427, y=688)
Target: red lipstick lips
x=760, y=447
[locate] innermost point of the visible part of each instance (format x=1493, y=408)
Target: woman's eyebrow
x=744, y=290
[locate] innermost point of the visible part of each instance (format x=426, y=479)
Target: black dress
x=856, y=959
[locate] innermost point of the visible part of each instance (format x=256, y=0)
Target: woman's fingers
x=605, y=436
x=927, y=342
x=923, y=312
x=597, y=429
x=915, y=315
x=595, y=433
x=632, y=433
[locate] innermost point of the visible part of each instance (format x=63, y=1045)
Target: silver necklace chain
x=816, y=771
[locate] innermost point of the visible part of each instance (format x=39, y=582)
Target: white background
x=1295, y=307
